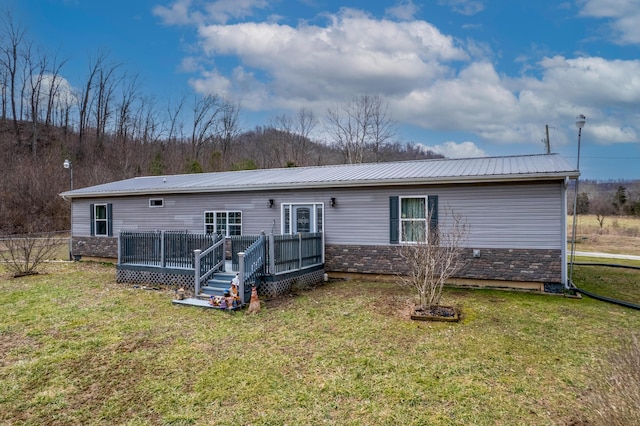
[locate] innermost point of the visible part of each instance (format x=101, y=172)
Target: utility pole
x=547, y=144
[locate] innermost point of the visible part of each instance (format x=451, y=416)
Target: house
x=514, y=206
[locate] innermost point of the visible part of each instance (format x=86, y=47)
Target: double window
x=225, y=223
x=300, y=218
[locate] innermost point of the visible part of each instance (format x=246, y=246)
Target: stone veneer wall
x=106, y=247
x=493, y=264
x=523, y=265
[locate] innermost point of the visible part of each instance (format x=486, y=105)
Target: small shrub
x=23, y=254
x=616, y=396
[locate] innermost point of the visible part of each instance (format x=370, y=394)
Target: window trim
x=156, y=206
x=316, y=221
x=214, y=224
x=95, y=219
x=402, y=220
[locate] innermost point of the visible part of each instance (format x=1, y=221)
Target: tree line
x=109, y=128
x=606, y=199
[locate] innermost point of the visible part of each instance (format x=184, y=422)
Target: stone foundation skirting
x=99, y=247
x=543, y=266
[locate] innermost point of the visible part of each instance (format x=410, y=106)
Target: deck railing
x=251, y=264
x=208, y=261
x=292, y=252
x=252, y=256
x=164, y=249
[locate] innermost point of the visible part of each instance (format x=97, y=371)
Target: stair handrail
x=251, y=262
x=215, y=264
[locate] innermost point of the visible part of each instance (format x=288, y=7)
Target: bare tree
x=106, y=84
x=359, y=125
x=433, y=256
x=229, y=128
x=53, y=88
x=176, y=125
x=9, y=54
x=601, y=205
x=36, y=70
x=295, y=140
x=24, y=253
x=382, y=128
x=85, y=97
x=206, y=112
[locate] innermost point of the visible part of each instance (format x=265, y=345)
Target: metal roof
x=423, y=172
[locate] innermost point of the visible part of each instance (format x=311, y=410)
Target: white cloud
x=452, y=149
x=428, y=78
x=219, y=11
x=353, y=54
x=464, y=7
x=610, y=133
x=404, y=10
x=223, y=10
x=623, y=17
x=176, y=14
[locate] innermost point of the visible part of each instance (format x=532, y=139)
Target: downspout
x=563, y=263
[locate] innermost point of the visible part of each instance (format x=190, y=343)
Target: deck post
x=119, y=248
x=299, y=251
x=196, y=284
x=241, y=277
x=272, y=253
x=163, y=262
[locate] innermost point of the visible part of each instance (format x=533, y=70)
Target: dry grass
x=616, y=400
x=620, y=234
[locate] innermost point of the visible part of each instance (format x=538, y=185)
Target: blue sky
x=462, y=77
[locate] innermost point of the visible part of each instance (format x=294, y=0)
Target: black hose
x=603, y=298
x=612, y=265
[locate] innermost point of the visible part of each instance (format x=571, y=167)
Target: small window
x=226, y=223
x=101, y=220
x=156, y=202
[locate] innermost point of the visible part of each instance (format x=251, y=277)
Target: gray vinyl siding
x=526, y=215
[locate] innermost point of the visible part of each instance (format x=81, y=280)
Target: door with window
x=301, y=218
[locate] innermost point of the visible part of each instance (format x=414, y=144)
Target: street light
x=67, y=165
x=580, y=122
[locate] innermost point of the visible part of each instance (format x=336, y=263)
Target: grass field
x=619, y=234
x=77, y=348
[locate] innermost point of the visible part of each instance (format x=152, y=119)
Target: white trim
x=227, y=225
x=401, y=239
x=105, y=220
x=151, y=205
x=313, y=215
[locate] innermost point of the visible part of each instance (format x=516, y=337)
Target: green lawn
x=77, y=348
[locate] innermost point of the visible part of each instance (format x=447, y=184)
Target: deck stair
x=216, y=286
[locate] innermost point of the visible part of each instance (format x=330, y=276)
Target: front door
x=302, y=219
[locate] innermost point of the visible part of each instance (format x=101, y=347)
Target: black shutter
x=394, y=220
x=432, y=212
x=110, y=220
x=92, y=219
